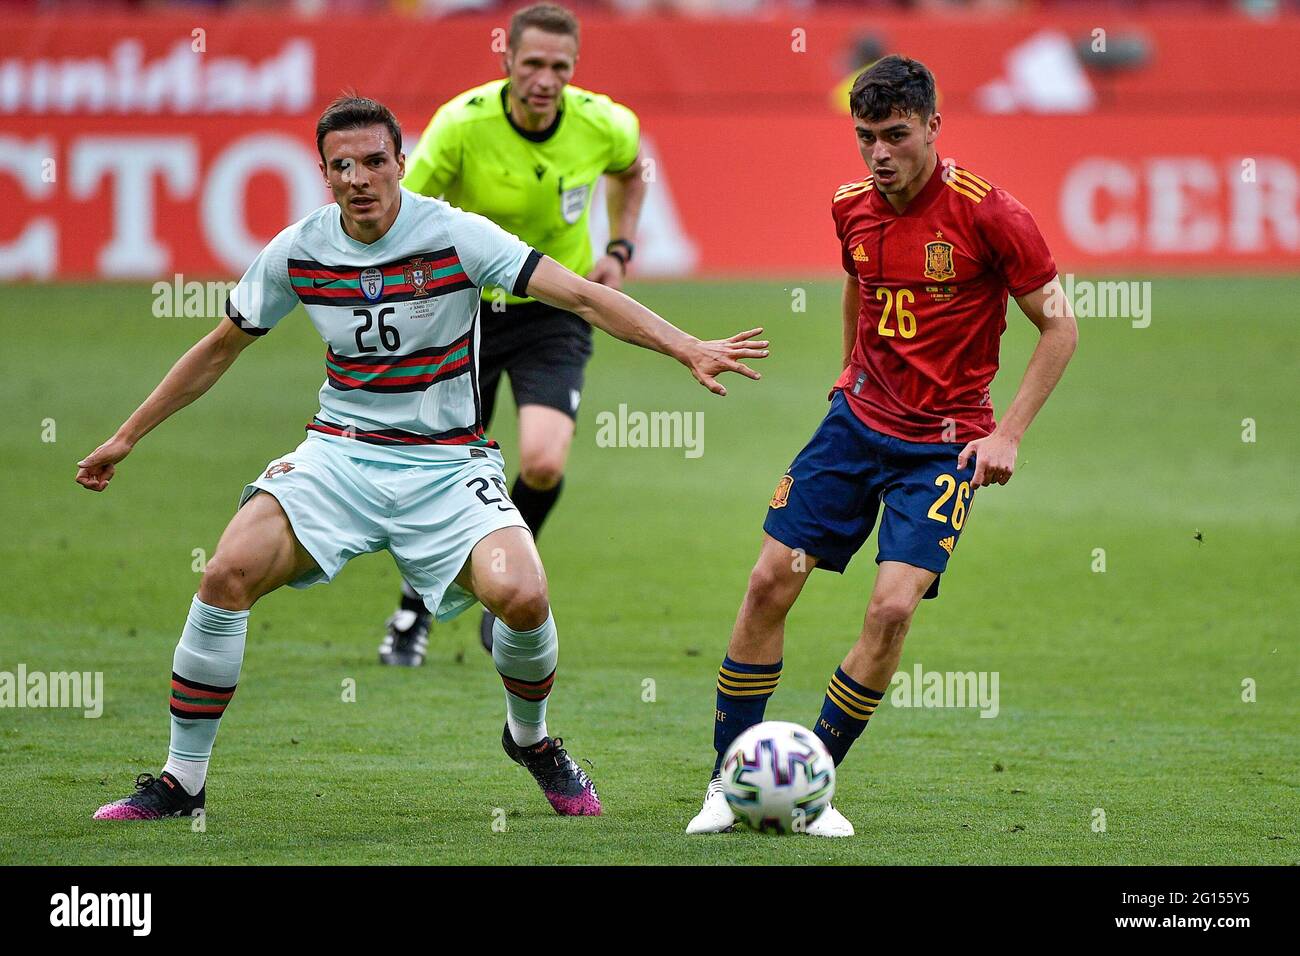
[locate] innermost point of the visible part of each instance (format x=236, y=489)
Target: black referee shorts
x=543, y=349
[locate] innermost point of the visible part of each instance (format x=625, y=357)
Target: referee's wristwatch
x=621, y=250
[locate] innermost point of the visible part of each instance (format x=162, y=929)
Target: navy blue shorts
x=828, y=500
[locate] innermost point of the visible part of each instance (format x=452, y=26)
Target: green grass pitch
x=1120, y=691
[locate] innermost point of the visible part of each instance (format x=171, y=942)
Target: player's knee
x=770, y=592
x=523, y=605
x=226, y=584
x=890, y=611
x=542, y=471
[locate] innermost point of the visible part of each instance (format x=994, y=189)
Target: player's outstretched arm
x=192, y=375
x=627, y=319
x=1049, y=309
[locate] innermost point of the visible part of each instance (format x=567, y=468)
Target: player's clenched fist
x=995, y=459
x=707, y=359
x=95, y=471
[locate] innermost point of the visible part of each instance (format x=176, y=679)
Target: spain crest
x=781, y=497
x=938, y=261
x=416, y=274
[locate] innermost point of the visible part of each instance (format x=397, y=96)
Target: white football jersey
x=399, y=317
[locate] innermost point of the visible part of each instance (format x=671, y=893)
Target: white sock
x=190, y=774
x=205, y=672
x=526, y=735
x=526, y=661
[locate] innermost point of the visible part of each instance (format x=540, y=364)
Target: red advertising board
x=134, y=147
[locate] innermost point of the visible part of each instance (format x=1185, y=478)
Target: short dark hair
x=893, y=84
x=350, y=111
x=545, y=16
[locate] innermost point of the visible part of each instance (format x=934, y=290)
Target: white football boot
x=829, y=823
x=716, y=816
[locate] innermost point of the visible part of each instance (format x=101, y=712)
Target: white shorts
x=428, y=516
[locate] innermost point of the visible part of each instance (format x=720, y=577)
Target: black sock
x=534, y=505
x=411, y=600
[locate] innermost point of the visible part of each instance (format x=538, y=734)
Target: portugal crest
x=416, y=274
x=372, y=285
x=938, y=261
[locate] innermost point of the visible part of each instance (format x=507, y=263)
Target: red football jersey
x=933, y=283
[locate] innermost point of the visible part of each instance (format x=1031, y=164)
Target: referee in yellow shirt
x=527, y=151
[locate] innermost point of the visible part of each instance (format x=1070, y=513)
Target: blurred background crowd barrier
x=147, y=140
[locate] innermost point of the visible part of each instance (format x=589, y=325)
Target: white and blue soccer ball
x=778, y=777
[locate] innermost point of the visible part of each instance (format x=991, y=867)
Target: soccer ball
x=778, y=776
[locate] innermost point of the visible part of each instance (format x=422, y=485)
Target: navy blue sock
x=743, y=690
x=845, y=712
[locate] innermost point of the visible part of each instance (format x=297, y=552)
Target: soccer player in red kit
x=932, y=252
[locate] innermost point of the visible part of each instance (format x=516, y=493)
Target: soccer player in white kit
x=396, y=458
